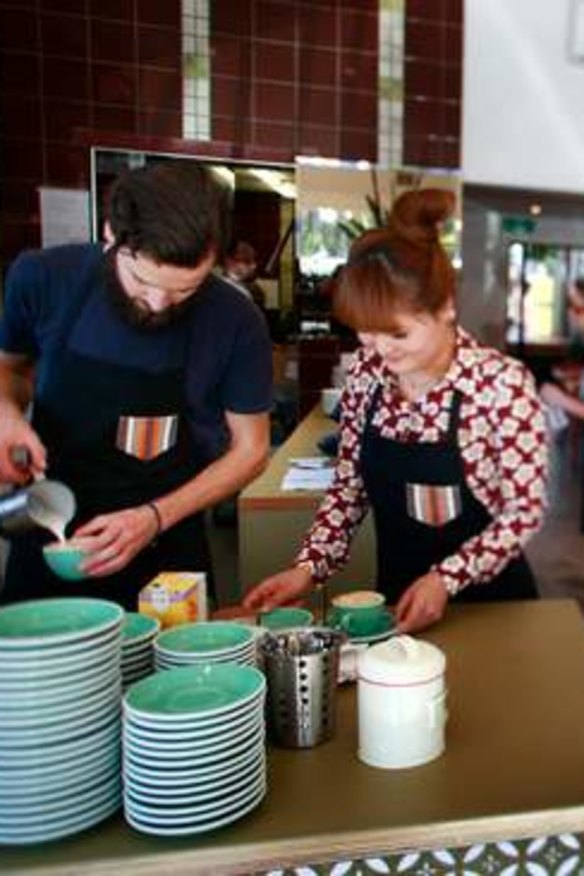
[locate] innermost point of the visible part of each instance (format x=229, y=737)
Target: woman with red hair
x=441, y=437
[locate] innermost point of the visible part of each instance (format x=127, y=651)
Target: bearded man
x=150, y=383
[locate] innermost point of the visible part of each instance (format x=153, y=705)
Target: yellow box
x=175, y=598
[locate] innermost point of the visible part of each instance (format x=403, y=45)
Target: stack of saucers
x=194, y=748
x=138, y=634
x=205, y=642
x=60, y=717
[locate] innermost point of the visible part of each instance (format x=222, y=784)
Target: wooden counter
x=513, y=767
x=272, y=522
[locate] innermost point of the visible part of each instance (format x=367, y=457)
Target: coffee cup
x=286, y=616
x=65, y=558
x=360, y=613
x=330, y=398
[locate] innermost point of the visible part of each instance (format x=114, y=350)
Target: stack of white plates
x=194, y=748
x=138, y=634
x=60, y=721
x=205, y=642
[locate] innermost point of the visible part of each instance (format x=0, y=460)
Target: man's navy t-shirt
x=228, y=363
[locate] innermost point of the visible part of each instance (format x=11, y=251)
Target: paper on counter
x=308, y=473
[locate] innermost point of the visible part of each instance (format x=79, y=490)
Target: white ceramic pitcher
x=401, y=697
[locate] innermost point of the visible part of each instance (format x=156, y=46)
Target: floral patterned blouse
x=503, y=442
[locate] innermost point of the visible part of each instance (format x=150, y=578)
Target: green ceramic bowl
x=65, y=559
x=194, y=690
x=281, y=618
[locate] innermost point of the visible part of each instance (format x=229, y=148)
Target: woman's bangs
x=368, y=301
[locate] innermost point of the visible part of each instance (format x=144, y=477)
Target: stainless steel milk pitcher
x=45, y=503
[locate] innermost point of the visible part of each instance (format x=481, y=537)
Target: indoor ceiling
x=519, y=201
x=263, y=178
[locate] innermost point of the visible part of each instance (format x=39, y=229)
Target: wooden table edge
x=235, y=860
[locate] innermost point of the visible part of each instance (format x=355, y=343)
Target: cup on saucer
x=360, y=613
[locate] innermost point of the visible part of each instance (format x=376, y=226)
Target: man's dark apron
x=424, y=511
x=79, y=410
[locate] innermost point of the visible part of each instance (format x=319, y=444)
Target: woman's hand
x=422, y=604
x=282, y=589
x=112, y=540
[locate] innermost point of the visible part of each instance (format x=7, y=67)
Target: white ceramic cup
x=330, y=397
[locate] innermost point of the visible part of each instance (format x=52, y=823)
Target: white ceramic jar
x=401, y=698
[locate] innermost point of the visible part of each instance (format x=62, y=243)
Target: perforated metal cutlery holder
x=301, y=686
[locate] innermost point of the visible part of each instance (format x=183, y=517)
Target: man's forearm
x=15, y=430
x=16, y=385
x=222, y=478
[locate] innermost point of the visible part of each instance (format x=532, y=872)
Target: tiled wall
x=287, y=77
x=432, y=82
x=76, y=72
x=296, y=77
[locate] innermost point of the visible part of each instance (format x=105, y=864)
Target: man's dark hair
x=171, y=211
x=238, y=248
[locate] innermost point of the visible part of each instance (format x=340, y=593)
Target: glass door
x=537, y=280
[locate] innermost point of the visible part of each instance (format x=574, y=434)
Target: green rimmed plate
x=55, y=621
x=205, y=637
x=184, y=782
x=196, y=791
x=74, y=822
x=189, y=722
x=194, y=690
x=191, y=826
x=176, y=814
x=72, y=750
x=138, y=628
x=149, y=773
x=171, y=749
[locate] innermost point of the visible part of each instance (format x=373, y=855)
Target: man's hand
x=282, y=589
x=112, y=540
x=18, y=438
x=16, y=434
x=422, y=604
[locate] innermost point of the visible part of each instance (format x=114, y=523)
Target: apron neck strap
x=454, y=411
x=454, y=416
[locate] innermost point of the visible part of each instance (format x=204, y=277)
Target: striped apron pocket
x=146, y=438
x=433, y=505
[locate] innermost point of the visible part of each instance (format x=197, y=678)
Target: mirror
x=261, y=200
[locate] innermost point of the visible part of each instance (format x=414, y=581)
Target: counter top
x=513, y=767
x=270, y=516
x=265, y=491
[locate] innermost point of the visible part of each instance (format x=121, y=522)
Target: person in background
x=240, y=268
x=443, y=438
x=560, y=383
x=151, y=391
x=560, y=401
x=576, y=307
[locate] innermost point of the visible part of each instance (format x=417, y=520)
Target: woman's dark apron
x=424, y=511
x=77, y=411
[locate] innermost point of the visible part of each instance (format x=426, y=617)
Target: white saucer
x=369, y=640
x=153, y=827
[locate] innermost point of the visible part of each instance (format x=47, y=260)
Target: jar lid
x=401, y=660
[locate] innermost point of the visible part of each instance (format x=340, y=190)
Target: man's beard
x=133, y=311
